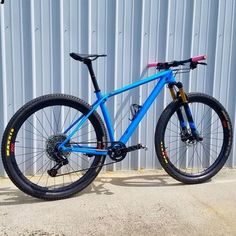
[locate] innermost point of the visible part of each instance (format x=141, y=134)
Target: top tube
x=167, y=74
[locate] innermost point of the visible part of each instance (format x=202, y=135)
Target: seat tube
x=99, y=96
x=88, y=62
x=106, y=116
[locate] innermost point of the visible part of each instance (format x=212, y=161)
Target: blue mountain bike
x=55, y=145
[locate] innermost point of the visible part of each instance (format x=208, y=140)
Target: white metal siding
x=37, y=37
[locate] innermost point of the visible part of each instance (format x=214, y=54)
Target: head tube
x=170, y=77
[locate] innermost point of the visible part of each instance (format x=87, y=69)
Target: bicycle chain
x=72, y=172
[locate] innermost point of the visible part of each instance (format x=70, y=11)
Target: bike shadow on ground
x=102, y=185
x=13, y=196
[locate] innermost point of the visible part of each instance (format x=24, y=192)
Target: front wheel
x=185, y=158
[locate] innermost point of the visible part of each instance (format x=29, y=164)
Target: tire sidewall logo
x=10, y=145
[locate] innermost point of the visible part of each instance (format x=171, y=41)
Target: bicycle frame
x=165, y=77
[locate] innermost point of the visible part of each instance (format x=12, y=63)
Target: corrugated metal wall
x=37, y=37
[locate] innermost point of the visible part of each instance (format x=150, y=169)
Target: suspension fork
x=187, y=110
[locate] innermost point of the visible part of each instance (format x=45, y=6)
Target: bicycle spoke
x=69, y=174
x=36, y=129
x=43, y=173
x=73, y=170
x=212, y=138
x=42, y=152
x=48, y=120
x=58, y=120
x=204, y=147
x=41, y=125
x=83, y=134
x=202, y=118
x=65, y=120
x=29, y=153
x=35, y=134
x=177, y=152
x=199, y=158
x=191, y=159
x=39, y=157
x=172, y=131
x=28, y=147
x=32, y=139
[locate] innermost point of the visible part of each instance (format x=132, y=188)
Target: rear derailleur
x=61, y=162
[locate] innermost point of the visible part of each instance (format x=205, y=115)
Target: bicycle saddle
x=83, y=57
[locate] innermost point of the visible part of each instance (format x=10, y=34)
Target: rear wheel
x=183, y=157
x=29, y=147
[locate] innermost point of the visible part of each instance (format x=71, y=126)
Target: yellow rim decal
x=164, y=153
x=10, y=147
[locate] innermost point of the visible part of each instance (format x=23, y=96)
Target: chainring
x=117, y=151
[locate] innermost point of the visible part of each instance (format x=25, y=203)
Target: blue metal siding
x=37, y=37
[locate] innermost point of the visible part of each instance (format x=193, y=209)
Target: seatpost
x=88, y=63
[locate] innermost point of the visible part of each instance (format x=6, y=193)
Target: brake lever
x=202, y=63
x=94, y=58
x=193, y=65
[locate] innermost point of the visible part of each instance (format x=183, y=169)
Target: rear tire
x=33, y=129
x=198, y=161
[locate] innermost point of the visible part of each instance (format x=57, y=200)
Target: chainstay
x=94, y=167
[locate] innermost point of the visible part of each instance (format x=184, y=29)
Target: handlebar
x=167, y=65
x=199, y=58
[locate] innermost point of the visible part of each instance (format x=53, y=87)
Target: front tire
x=194, y=161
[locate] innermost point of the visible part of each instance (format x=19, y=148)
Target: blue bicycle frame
x=165, y=77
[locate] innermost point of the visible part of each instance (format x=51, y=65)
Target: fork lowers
x=184, y=99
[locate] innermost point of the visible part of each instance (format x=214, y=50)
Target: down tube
x=129, y=131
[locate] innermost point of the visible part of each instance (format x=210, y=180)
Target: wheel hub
x=51, y=147
x=189, y=138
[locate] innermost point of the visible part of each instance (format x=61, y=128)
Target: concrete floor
x=126, y=203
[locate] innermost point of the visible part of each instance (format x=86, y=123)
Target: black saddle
x=85, y=57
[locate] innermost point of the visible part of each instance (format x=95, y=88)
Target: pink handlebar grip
x=199, y=58
x=152, y=64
